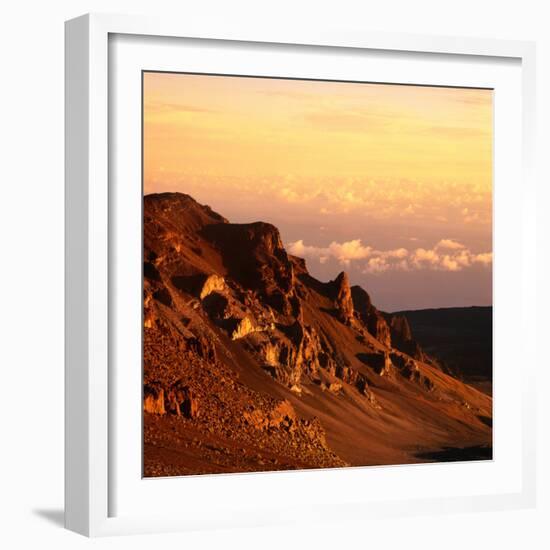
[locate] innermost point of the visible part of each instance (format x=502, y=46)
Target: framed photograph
x=297, y=269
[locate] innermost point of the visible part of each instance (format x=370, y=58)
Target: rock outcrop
x=211, y=284
x=401, y=328
x=178, y=400
x=370, y=316
x=242, y=328
x=255, y=258
x=342, y=297
x=402, y=338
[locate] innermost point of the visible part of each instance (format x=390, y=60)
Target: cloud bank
x=446, y=255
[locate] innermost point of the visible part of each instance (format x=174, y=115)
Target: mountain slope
x=252, y=364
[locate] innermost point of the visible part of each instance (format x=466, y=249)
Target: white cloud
x=349, y=250
x=450, y=244
x=464, y=258
x=343, y=252
x=486, y=258
x=377, y=265
x=379, y=198
x=397, y=253
x=298, y=248
x=449, y=255
x=448, y=263
x=446, y=255
x=421, y=255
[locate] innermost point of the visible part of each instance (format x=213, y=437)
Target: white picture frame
x=92, y=470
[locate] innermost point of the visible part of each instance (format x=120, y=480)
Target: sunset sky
x=391, y=183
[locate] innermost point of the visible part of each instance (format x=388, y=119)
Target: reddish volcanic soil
x=251, y=364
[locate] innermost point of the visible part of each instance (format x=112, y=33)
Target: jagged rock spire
x=342, y=297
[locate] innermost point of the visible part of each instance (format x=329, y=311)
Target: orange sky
x=379, y=179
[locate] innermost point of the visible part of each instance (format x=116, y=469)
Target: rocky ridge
x=244, y=347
